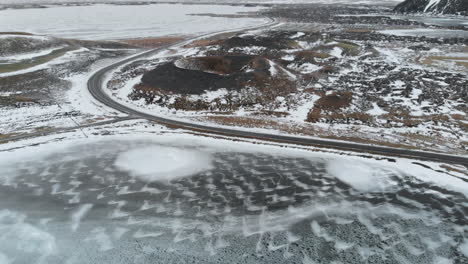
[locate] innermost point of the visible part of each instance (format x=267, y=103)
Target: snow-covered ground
x=27, y=56
x=99, y=22
x=392, y=55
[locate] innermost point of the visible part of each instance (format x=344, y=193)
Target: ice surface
x=19, y=237
x=79, y=214
x=100, y=22
x=464, y=248
x=163, y=163
x=427, y=32
x=253, y=199
x=4, y=259
x=361, y=176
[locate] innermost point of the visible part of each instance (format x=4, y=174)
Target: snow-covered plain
x=99, y=22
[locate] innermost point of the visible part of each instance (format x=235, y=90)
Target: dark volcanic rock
x=196, y=75
x=437, y=6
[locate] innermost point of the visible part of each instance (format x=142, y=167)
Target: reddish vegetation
x=335, y=101
x=203, y=43
x=329, y=107
x=152, y=42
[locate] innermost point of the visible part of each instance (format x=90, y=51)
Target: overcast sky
x=235, y=1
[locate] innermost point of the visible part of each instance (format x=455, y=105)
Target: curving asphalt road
x=95, y=86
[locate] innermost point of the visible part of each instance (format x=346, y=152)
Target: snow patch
x=337, y=52
x=431, y=3
x=376, y=110
x=297, y=35
x=21, y=237
x=361, y=176
x=306, y=68
x=29, y=55
x=79, y=214
x=4, y=259
x=163, y=163
x=464, y=248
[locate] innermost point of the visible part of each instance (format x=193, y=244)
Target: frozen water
x=361, y=176
x=163, y=163
x=102, y=21
x=427, y=32
x=17, y=237
x=4, y=259
x=265, y=203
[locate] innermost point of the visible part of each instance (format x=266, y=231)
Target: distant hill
x=434, y=6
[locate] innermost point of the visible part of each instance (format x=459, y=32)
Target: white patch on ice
x=429, y=175
x=4, y=259
x=464, y=248
x=19, y=236
x=441, y=260
x=160, y=163
x=361, y=176
x=100, y=236
x=79, y=214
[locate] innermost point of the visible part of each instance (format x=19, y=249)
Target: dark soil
x=202, y=74
x=270, y=42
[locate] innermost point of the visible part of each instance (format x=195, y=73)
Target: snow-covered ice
x=163, y=163
x=98, y=22
x=246, y=192
x=361, y=176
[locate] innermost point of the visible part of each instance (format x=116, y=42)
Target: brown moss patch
x=203, y=43
x=152, y=42
x=16, y=33
x=431, y=60
x=335, y=101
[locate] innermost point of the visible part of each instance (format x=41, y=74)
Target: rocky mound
x=215, y=64
x=275, y=41
x=192, y=76
x=433, y=6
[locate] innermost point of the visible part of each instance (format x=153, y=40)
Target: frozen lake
x=427, y=32
x=102, y=21
x=186, y=200
x=444, y=21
